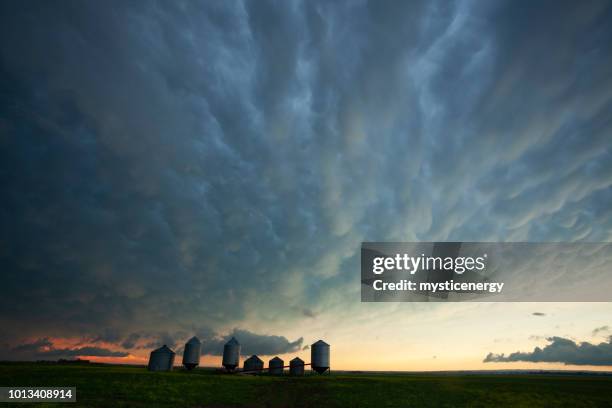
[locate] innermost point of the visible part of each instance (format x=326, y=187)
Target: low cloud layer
x=44, y=349
x=144, y=342
x=562, y=350
x=212, y=342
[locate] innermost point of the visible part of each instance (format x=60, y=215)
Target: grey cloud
x=562, y=350
x=538, y=314
x=34, y=346
x=130, y=341
x=599, y=330
x=165, y=165
x=251, y=343
x=108, y=335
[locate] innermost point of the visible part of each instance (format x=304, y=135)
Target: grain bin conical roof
x=194, y=340
x=254, y=357
x=163, y=349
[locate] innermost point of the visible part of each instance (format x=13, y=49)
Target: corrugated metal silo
x=161, y=359
x=253, y=363
x=319, y=356
x=296, y=366
x=231, y=354
x=191, y=355
x=275, y=366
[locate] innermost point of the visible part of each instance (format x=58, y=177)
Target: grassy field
x=110, y=386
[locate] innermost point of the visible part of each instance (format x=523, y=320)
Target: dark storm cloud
x=34, y=346
x=168, y=165
x=159, y=339
x=251, y=343
x=130, y=341
x=212, y=341
x=561, y=350
x=108, y=335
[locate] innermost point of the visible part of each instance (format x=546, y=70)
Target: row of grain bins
x=276, y=366
x=162, y=359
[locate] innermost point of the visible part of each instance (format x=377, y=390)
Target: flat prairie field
x=130, y=386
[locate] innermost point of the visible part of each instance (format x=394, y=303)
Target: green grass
x=119, y=386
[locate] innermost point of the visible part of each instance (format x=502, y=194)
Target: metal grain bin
x=296, y=366
x=253, y=363
x=191, y=355
x=276, y=366
x=161, y=359
x=319, y=356
x=231, y=354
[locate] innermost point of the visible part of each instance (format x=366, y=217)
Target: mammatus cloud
x=44, y=349
x=561, y=350
x=163, y=166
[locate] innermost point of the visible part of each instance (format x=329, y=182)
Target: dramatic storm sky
x=212, y=167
